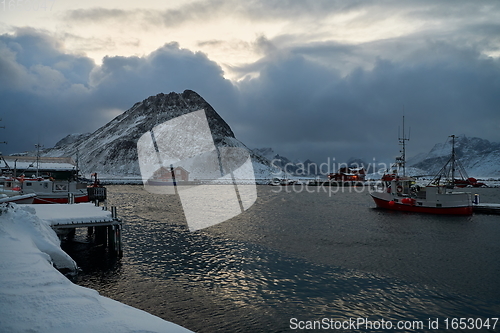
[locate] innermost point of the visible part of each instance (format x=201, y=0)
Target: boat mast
x=401, y=161
x=77, y=163
x=452, y=161
x=448, y=170
x=4, y=142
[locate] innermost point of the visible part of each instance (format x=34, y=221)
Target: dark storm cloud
x=47, y=94
x=309, y=100
x=301, y=103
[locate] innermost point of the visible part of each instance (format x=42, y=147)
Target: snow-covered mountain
x=480, y=157
x=112, y=149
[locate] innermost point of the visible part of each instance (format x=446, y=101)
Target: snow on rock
x=480, y=157
x=35, y=297
x=112, y=149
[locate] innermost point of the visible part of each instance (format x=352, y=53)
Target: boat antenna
x=38, y=146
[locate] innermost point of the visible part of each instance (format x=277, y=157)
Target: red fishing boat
x=397, y=191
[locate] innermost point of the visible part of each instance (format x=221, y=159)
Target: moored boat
x=282, y=182
x=401, y=193
x=47, y=180
x=54, y=191
x=10, y=191
x=18, y=198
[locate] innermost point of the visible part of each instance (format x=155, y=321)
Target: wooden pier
x=487, y=208
x=103, y=224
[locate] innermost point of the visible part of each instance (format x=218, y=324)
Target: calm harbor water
x=304, y=255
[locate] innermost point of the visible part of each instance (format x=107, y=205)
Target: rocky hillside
x=112, y=149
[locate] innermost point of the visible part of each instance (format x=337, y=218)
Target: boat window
x=61, y=187
x=28, y=184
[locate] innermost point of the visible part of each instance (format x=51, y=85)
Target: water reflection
x=268, y=265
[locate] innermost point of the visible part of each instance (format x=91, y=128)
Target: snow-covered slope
x=480, y=157
x=112, y=149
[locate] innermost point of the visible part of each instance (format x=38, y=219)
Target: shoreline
x=37, y=297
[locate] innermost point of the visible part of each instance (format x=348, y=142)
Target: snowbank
x=35, y=297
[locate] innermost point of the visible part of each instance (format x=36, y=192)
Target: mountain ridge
x=111, y=150
x=480, y=157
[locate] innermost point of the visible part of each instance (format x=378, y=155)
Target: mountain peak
x=112, y=149
x=160, y=108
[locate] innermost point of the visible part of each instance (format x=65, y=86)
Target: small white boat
x=18, y=198
x=282, y=182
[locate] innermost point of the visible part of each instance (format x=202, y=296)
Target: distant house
x=165, y=174
x=348, y=174
x=56, y=167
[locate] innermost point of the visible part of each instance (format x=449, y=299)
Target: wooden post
x=119, y=240
x=71, y=233
x=100, y=235
x=111, y=239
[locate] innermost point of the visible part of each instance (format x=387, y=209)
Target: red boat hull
x=60, y=200
x=465, y=210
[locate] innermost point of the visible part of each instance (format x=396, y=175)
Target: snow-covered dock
x=105, y=224
x=35, y=297
x=81, y=215
x=487, y=208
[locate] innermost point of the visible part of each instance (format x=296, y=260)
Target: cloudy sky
x=311, y=79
